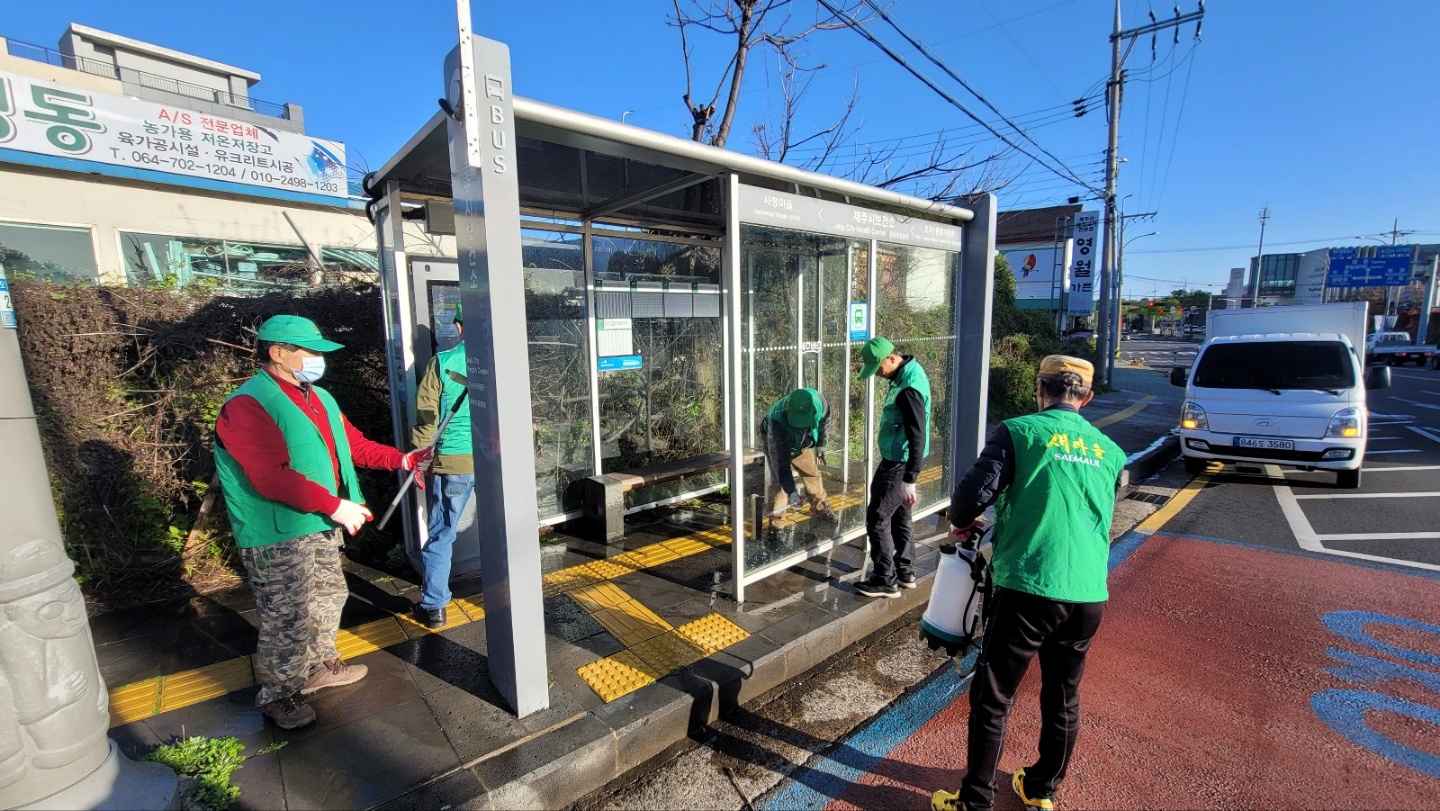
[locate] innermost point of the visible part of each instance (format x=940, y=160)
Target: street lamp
x=1116, y=329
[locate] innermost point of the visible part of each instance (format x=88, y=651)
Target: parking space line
x=1378, y=438
x=1310, y=541
x=1416, y=403
x=1177, y=503
x=1425, y=432
x=1124, y=414
x=1401, y=469
x=1380, y=536
x=1369, y=452
x=1328, y=496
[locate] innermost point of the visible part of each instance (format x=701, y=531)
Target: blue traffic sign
x=1389, y=267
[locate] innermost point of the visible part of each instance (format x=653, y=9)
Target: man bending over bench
x=794, y=432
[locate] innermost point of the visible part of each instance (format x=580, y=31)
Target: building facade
x=123, y=162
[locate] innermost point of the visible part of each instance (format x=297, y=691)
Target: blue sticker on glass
x=619, y=363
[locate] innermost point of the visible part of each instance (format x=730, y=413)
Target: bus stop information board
x=1389, y=267
x=783, y=210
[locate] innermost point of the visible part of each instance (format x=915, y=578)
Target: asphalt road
x=1157, y=352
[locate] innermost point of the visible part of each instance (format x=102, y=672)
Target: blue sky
x=1324, y=112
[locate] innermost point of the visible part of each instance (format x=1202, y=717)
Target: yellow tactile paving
x=567, y=579
x=134, y=701
x=606, y=570
x=370, y=637
x=631, y=623
x=614, y=676
x=646, y=557
x=598, y=596
x=193, y=686
x=472, y=608
x=668, y=652
x=685, y=547
x=712, y=633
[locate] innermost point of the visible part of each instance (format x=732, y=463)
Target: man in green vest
x=795, y=432
x=1052, y=478
x=454, y=473
x=286, y=457
x=904, y=443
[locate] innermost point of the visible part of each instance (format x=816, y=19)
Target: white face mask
x=311, y=369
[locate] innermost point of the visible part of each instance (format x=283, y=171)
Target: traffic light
x=1150, y=303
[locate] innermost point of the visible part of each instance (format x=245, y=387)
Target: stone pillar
x=54, y=707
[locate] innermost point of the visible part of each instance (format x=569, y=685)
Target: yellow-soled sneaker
x=1017, y=782
x=947, y=801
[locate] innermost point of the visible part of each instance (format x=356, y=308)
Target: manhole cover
x=1148, y=498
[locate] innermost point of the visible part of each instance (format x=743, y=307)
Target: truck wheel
x=1348, y=479
x=1195, y=466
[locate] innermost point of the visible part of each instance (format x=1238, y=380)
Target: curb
x=562, y=765
x=1149, y=461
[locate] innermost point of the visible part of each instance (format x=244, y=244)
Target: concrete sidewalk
x=644, y=645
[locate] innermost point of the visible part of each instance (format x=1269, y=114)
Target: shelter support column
x=54, y=707
x=487, y=234
x=733, y=287
x=970, y=388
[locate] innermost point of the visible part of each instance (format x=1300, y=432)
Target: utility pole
x=1103, y=315
x=1423, y=331
x=1259, y=260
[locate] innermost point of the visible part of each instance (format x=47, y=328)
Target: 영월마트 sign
x=69, y=122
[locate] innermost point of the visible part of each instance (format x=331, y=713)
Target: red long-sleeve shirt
x=249, y=434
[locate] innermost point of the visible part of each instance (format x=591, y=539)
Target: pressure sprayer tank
x=952, y=619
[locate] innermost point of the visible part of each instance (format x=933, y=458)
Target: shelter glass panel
x=915, y=310
x=798, y=289
x=555, y=312
x=658, y=306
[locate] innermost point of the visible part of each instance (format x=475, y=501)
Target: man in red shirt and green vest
x=454, y=473
x=904, y=443
x=795, y=432
x=286, y=456
x=1052, y=478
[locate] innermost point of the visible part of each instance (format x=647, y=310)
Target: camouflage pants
x=299, y=590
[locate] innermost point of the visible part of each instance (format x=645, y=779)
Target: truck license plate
x=1267, y=444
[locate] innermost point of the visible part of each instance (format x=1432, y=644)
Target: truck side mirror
x=1179, y=378
x=1377, y=377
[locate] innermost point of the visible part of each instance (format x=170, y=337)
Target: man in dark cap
x=286, y=458
x=795, y=432
x=1052, y=478
x=904, y=443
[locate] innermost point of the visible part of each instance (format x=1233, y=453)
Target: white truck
x=1283, y=386
x=1397, y=348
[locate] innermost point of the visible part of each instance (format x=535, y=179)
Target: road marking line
x=1425, y=432
x=1308, y=540
x=1406, y=450
x=1380, y=536
x=1126, y=413
x=1379, y=438
x=1431, y=393
x=1414, y=403
x=1328, y=496
x=1401, y=469
x=1177, y=503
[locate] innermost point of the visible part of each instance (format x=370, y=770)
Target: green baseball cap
x=803, y=408
x=875, y=350
x=296, y=331
x=459, y=314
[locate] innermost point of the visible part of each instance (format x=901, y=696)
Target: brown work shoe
x=290, y=713
x=333, y=673
x=820, y=508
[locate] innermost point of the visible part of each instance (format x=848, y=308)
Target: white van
x=1283, y=396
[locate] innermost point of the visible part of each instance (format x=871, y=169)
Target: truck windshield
x=1276, y=365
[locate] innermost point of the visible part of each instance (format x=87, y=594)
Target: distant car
x=1195, y=331
x=1079, y=334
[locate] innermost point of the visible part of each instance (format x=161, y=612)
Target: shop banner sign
x=70, y=122
x=1082, y=264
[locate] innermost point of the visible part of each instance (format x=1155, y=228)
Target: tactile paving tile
x=370, y=637
x=201, y=684
x=134, y=702
x=472, y=608
x=614, y=676
x=631, y=623
x=667, y=653
x=646, y=556
x=712, y=633
x=601, y=595
x=685, y=547
x=567, y=579
x=605, y=570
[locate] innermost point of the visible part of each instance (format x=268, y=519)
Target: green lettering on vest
x=1052, y=524
x=259, y=521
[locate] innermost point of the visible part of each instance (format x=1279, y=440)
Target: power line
x=855, y=26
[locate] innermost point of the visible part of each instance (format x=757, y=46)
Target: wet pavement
x=427, y=728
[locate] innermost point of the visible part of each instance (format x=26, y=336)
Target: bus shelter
x=672, y=292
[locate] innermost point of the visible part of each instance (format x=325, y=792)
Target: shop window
x=242, y=267
x=49, y=252
x=349, y=264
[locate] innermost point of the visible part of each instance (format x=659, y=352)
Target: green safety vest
x=800, y=439
x=457, y=438
x=893, y=445
x=1052, y=524
x=259, y=521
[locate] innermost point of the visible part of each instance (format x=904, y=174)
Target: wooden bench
x=602, y=497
